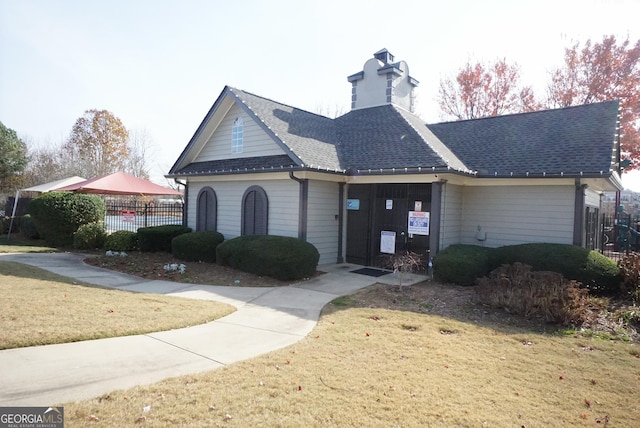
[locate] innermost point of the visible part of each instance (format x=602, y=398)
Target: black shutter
x=207, y=210
x=255, y=212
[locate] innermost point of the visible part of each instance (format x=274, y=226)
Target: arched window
x=255, y=211
x=237, y=135
x=206, y=209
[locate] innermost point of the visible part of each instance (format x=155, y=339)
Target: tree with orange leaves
x=596, y=72
x=601, y=72
x=485, y=90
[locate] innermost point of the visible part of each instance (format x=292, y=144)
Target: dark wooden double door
x=373, y=208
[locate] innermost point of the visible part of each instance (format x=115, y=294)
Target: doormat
x=371, y=272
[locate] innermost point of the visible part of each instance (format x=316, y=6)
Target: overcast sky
x=159, y=65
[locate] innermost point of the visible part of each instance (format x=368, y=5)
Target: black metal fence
x=131, y=214
x=620, y=235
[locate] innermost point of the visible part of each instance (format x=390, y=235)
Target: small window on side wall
x=237, y=135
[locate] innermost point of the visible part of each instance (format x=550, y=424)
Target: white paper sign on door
x=387, y=242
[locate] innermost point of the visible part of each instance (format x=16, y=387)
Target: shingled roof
x=384, y=138
x=570, y=141
x=309, y=136
x=387, y=139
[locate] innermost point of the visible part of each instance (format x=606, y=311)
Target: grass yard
x=374, y=367
x=18, y=244
x=39, y=307
x=425, y=356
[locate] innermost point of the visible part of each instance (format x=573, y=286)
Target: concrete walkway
x=267, y=318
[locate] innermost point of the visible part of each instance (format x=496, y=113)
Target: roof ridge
x=527, y=112
x=277, y=102
x=444, y=152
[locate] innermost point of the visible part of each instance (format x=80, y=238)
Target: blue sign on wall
x=353, y=204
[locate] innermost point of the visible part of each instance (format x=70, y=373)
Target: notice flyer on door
x=418, y=223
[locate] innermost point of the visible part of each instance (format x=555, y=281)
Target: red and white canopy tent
x=119, y=183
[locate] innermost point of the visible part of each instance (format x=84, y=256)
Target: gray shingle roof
x=309, y=136
x=382, y=137
x=569, y=140
x=251, y=164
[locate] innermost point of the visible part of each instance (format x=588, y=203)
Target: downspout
x=578, y=216
x=303, y=202
x=340, y=221
x=185, y=205
x=436, y=219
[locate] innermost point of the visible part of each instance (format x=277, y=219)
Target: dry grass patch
x=376, y=367
x=39, y=307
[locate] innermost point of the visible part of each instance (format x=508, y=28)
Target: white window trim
x=237, y=135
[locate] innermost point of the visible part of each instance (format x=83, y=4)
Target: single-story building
x=378, y=179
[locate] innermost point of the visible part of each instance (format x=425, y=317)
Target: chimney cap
x=384, y=55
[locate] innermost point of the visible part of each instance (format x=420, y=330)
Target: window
x=255, y=210
x=237, y=134
x=206, y=209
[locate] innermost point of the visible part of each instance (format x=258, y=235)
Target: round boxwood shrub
x=461, y=264
x=57, y=215
x=158, y=238
x=279, y=257
x=121, y=240
x=89, y=236
x=196, y=246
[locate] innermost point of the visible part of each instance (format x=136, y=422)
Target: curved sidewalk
x=267, y=318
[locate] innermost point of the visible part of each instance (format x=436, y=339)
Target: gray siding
x=283, y=207
x=518, y=214
x=256, y=141
x=451, y=215
x=322, y=225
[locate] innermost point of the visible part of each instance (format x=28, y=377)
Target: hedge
x=58, y=215
x=279, y=257
x=158, y=238
x=196, y=246
x=463, y=264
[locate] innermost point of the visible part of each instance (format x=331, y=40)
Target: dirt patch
x=151, y=266
x=461, y=303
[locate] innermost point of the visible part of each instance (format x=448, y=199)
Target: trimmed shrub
x=57, y=215
x=28, y=227
x=541, y=294
x=598, y=273
x=196, y=246
x=121, y=240
x=158, y=238
x=89, y=236
x=461, y=264
x=278, y=257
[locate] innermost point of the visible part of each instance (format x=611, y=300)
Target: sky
x=159, y=65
